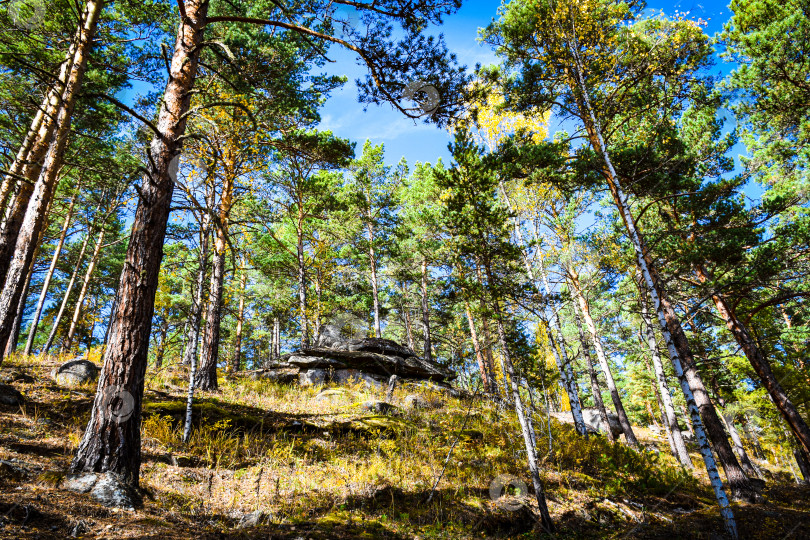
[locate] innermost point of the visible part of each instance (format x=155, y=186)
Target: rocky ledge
x=341, y=361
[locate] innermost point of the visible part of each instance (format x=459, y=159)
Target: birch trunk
x=585, y=309
x=595, y=390
x=112, y=443
x=526, y=427
x=675, y=434
x=195, y=319
x=688, y=379
x=32, y=331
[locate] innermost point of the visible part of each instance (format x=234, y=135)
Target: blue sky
x=418, y=142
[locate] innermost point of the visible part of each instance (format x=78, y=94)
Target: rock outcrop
x=371, y=361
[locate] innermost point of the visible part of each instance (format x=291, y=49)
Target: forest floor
x=307, y=467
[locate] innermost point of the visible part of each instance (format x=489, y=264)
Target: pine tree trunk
x=302, y=284
x=585, y=309
x=47, y=281
x=804, y=464
x=68, y=290
x=28, y=162
x=595, y=390
x=161, y=348
x=408, y=323
x=112, y=443
x=36, y=211
x=675, y=434
x=372, y=256
x=240, y=317
x=479, y=355
x=428, y=355
x=276, y=338
x=207, y=376
x=11, y=345
x=83, y=292
x=760, y=364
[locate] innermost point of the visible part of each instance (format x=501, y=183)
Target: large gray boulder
x=10, y=395
x=75, y=372
x=593, y=421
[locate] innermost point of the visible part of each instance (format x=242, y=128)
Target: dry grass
x=321, y=468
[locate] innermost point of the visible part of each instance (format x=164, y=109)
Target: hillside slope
x=267, y=460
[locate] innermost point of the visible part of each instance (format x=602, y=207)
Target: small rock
x=253, y=519
x=75, y=373
x=10, y=396
x=16, y=376
x=377, y=407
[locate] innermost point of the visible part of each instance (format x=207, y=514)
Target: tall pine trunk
x=112, y=443
x=240, y=318
x=209, y=358
x=32, y=331
x=36, y=211
x=372, y=257
x=302, y=284
x=83, y=292
x=59, y=314
x=428, y=353
x=760, y=364
x=585, y=309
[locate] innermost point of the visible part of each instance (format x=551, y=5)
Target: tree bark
x=195, y=317
x=207, y=376
x=372, y=257
x=683, y=362
x=112, y=443
x=595, y=390
x=68, y=290
x=302, y=283
x=479, y=355
x=585, y=309
x=526, y=427
x=240, y=317
x=675, y=434
x=760, y=364
x=83, y=292
x=161, y=348
x=35, y=213
x=11, y=345
x=32, y=331
x=428, y=355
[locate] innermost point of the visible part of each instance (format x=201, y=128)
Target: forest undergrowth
x=309, y=463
